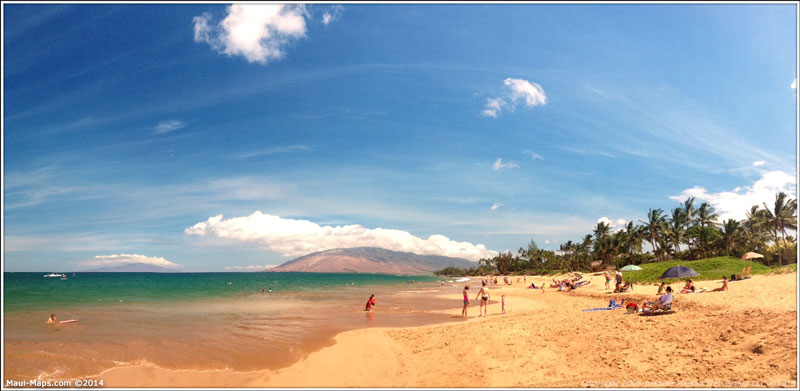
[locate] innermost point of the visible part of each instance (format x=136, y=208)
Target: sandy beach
x=746, y=337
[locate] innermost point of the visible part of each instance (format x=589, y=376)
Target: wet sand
x=746, y=337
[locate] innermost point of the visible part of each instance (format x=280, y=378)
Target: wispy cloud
x=499, y=165
x=123, y=259
x=257, y=32
x=169, y=126
x=332, y=15
x=759, y=163
x=533, y=155
x=496, y=205
x=518, y=91
x=586, y=151
x=292, y=237
x=273, y=151
x=734, y=204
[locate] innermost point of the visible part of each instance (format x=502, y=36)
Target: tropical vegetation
x=688, y=232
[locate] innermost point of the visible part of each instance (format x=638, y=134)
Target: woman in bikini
x=724, y=286
x=466, y=302
x=484, y=296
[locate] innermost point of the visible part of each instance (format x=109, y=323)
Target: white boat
x=55, y=275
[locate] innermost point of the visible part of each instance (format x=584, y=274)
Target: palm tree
x=688, y=214
x=731, y=235
x=705, y=216
x=654, y=226
x=783, y=216
x=675, y=228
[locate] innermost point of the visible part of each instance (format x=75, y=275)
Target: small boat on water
x=56, y=275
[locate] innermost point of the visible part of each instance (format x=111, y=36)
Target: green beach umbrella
x=630, y=267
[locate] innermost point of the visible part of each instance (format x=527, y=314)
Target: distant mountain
x=134, y=268
x=370, y=260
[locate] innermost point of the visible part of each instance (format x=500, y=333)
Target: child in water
x=370, y=303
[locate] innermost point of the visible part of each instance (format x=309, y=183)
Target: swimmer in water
x=52, y=318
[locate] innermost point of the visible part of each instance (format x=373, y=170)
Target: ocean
x=199, y=320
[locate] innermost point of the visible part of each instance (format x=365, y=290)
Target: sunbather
x=689, y=287
x=628, y=286
x=724, y=286
x=664, y=302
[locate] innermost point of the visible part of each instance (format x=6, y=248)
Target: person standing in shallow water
x=370, y=303
x=466, y=302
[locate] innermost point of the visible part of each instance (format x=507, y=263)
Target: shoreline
x=746, y=337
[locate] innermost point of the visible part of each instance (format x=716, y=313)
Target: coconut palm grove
x=688, y=232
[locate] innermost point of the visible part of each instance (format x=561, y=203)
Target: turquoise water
x=33, y=292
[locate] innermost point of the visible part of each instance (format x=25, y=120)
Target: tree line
x=687, y=232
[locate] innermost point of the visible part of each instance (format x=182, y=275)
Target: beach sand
x=746, y=337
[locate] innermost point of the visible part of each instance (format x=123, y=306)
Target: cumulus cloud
x=252, y=268
x=519, y=91
x=122, y=259
x=615, y=225
x=169, y=126
x=794, y=84
x=293, y=238
x=735, y=204
x=496, y=205
x=499, y=165
x=759, y=163
x=257, y=32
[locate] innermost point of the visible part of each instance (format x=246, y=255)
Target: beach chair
x=748, y=271
x=665, y=310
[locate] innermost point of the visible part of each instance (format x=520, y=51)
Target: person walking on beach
x=608, y=279
x=370, y=303
x=503, y=303
x=483, y=294
x=618, y=288
x=466, y=302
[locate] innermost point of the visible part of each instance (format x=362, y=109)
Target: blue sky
x=217, y=137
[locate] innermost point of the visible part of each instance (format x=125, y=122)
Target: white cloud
x=299, y=237
x=499, y=165
x=332, y=15
x=519, y=91
x=496, y=205
x=547, y=241
x=735, y=204
x=122, y=259
x=533, y=155
x=759, y=163
x=251, y=268
x=794, y=84
x=273, y=151
x=168, y=126
x=615, y=225
x=258, y=32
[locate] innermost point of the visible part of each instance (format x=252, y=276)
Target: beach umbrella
x=751, y=256
x=630, y=267
x=679, y=272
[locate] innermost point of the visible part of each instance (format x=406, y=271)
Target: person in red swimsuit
x=370, y=303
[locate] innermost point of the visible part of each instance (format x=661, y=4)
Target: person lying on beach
x=52, y=318
x=689, y=287
x=724, y=286
x=662, y=302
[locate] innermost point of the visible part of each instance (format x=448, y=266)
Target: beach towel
x=604, y=309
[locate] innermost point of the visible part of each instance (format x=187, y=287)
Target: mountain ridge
x=369, y=260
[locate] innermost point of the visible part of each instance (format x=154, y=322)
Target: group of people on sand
x=484, y=296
